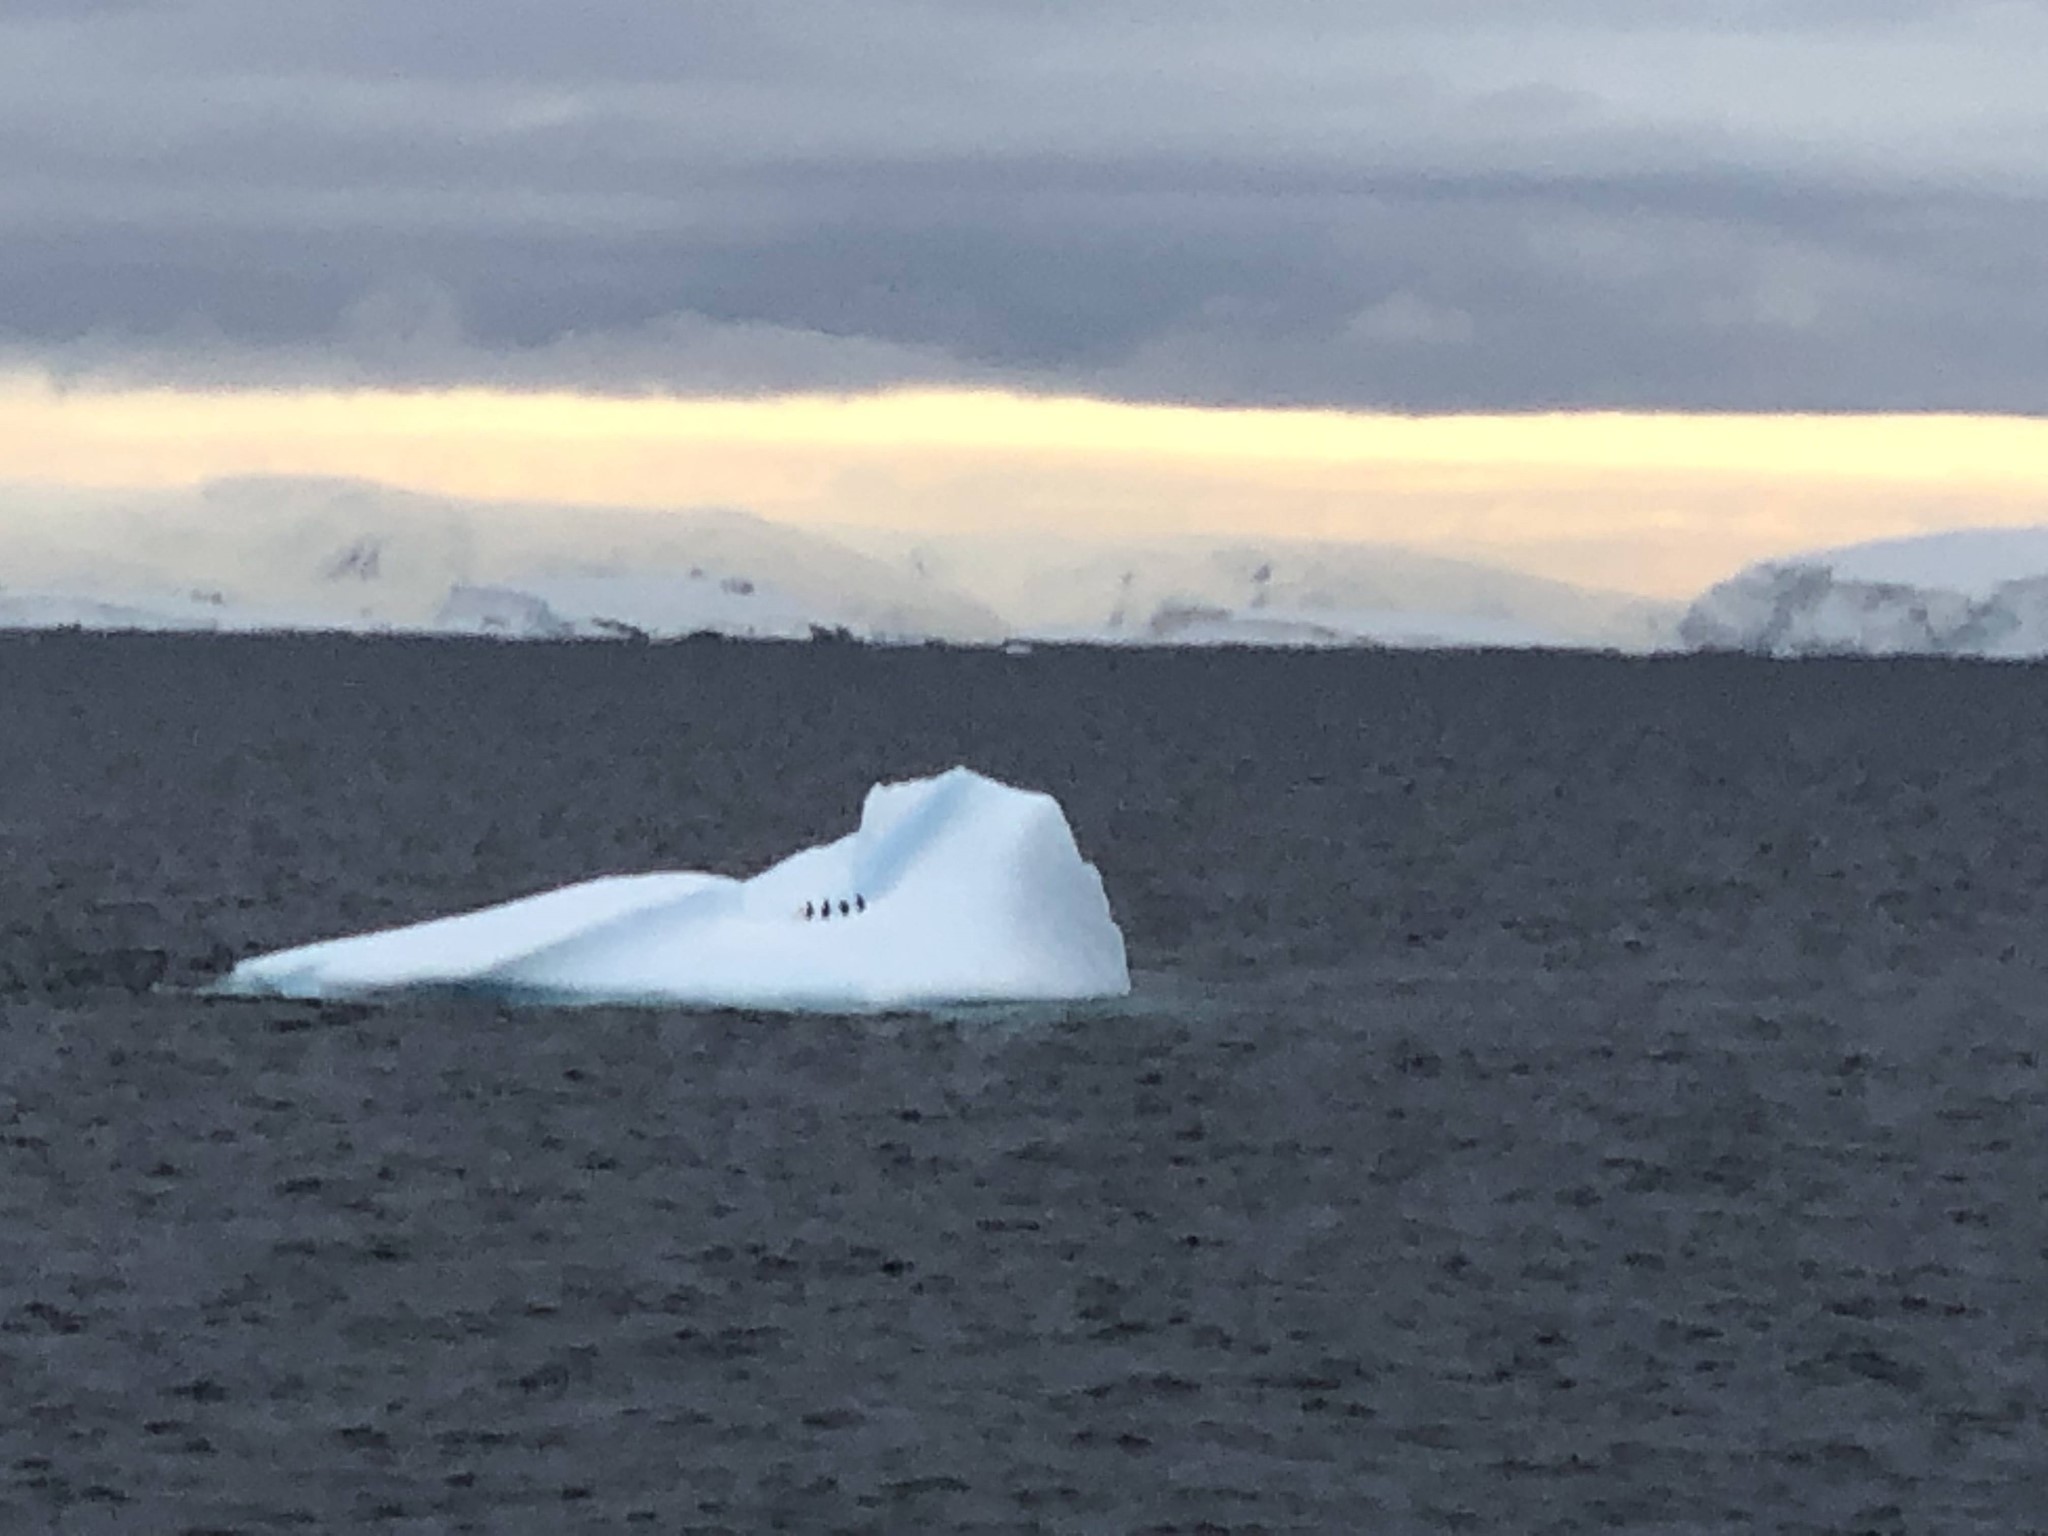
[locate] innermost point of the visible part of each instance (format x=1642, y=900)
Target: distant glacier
x=288, y=553
x=1969, y=592
x=299, y=554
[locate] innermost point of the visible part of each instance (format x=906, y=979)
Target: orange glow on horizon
x=1659, y=503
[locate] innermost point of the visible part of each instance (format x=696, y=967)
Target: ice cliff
x=1973, y=592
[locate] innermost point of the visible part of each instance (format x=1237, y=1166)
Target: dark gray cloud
x=1821, y=205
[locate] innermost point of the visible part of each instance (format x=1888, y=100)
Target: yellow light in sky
x=1656, y=502
x=1926, y=447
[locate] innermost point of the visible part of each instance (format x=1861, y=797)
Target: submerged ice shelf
x=956, y=888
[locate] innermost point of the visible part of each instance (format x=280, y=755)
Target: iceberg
x=953, y=889
x=1979, y=592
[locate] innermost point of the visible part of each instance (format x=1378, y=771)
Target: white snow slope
x=1273, y=591
x=1198, y=624
x=954, y=889
x=666, y=606
x=1970, y=592
x=171, y=611
x=340, y=554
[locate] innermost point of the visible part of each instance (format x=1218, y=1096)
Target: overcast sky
x=1445, y=204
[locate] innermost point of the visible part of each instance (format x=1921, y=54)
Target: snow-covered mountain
x=304, y=552
x=1273, y=591
x=668, y=606
x=319, y=553
x=282, y=552
x=1969, y=592
x=168, y=611
x=1197, y=624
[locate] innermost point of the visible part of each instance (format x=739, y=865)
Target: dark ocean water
x=1563, y=1094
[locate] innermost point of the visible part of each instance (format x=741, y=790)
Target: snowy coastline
x=297, y=555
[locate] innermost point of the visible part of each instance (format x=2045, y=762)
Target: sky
x=1670, y=271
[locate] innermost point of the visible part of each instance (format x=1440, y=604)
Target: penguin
x=825, y=909
x=843, y=907
x=860, y=903
x=809, y=912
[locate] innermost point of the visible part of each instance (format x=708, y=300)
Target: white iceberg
x=1967, y=592
x=953, y=889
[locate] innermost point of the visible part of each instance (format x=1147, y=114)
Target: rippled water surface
x=1561, y=1094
